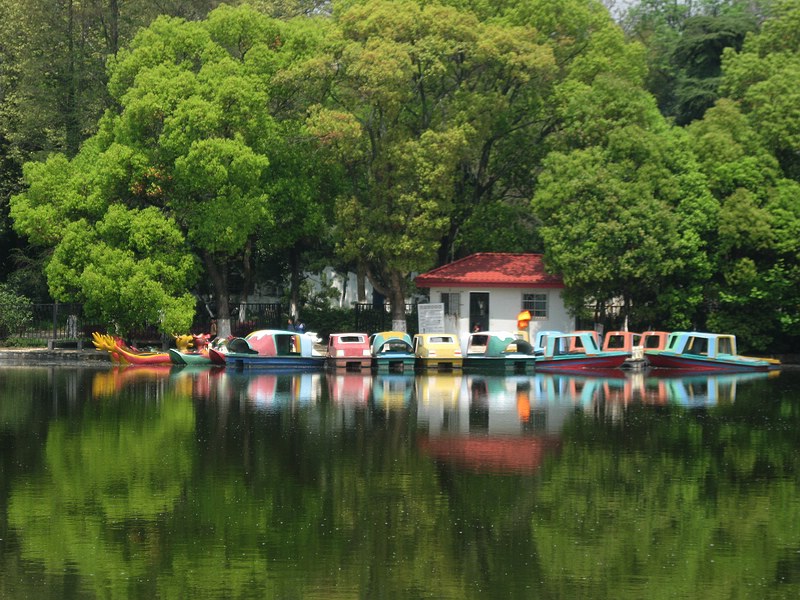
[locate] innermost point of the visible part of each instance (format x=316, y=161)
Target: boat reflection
x=512, y=424
x=692, y=389
x=445, y=401
x=113, y=381
x=502, y=423
x=268, y=392
x=349, y=388
x=392, y=391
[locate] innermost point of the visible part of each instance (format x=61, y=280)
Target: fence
x=64, y=323
x=371, y=318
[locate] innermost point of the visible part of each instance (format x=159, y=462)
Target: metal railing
x=371, y=318
x=59, y=323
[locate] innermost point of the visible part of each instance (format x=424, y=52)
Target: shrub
x=327, y=320
x=15, y=312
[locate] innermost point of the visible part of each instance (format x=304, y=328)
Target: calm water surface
x=153, y=482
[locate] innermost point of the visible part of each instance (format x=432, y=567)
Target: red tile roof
x=492, y=270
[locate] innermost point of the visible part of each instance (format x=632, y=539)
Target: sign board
x=431, y=317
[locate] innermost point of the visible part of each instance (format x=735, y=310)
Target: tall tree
x=192, y=140
x=685, y=41
x=764, y=79
x=422, y=94
x=511, y=100
x=744, y=144
x=628, y=215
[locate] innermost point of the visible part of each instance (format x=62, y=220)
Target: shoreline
x=55, y=357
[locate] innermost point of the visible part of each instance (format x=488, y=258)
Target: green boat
x=499, y=351
x=188, y=358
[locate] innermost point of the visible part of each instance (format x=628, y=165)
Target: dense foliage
x=652, y=159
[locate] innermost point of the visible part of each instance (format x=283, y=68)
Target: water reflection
x=516, y=399
x=196, y=482
x=392, y=391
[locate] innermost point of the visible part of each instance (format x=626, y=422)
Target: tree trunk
x=71, y=121
x=294, y=283
x=113, y=27
x=219, y=281
x=397, y=301
x=361, y=282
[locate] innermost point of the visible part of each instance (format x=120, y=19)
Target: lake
x=158, y=482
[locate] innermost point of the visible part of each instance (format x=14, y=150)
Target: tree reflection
x=670, y=503
x=160, y=493
x=108, y=482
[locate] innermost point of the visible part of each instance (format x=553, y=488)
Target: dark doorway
x=479, y=310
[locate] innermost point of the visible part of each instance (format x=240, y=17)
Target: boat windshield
x=697, y=345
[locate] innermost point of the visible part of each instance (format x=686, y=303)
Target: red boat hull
x=698, y=363
x=581, y=362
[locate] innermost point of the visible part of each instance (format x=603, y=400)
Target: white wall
x=504, y=306
x=342, y=282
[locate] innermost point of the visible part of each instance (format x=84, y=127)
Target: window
x=451, y=303
x=536, y=304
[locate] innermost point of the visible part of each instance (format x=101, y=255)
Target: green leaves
x=217, y=182
x=625, y=220
x=129, y=269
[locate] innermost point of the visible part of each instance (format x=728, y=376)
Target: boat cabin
x=621, y=340
x=540, y=340
x=702, y=344
x=654, y=340
x=349, y=351
x=272, y=342
x=488, y=343
x=437, y=351
x=578, y=342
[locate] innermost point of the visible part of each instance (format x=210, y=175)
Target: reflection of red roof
x=492, y=454
x=492, y=269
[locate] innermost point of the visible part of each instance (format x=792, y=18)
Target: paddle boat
x=498, y=351
x=123, y=354
x=199, y=356
x=578, y=350
x=437, y=351
x=349, y=351
x=540, y=340
x=392, y=351
x=654, y=340
x=269, y=349
x=701, y=351
x=629, y=342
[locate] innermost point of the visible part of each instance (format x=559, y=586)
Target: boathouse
x=489, y=289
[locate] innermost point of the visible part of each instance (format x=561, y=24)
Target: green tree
x=756, y=255
x=395, y=73
x=191, y=143
x=16, y=311
x=685, y=41
x=432, y=110
x=629, y=215
x=764, y=79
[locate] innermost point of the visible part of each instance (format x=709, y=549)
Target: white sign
x=431, y=318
